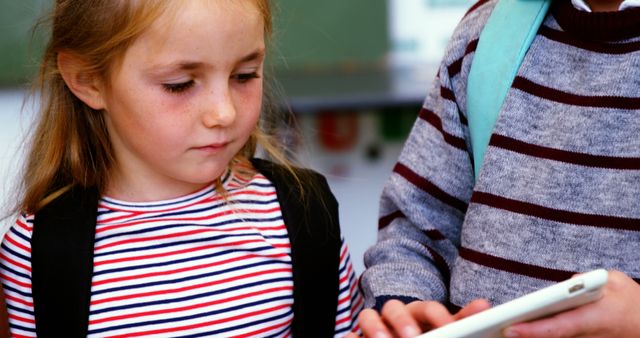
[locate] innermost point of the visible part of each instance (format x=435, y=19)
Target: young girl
x=144, y=213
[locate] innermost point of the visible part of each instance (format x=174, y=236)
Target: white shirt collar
x=582, y=5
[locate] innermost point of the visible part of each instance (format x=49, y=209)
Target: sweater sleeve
x=424, y=201
x=15, y=274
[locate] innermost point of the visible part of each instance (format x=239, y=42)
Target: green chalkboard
x=19, y=52
x=330, y=33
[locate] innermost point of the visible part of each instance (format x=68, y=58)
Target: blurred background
x=354, y=73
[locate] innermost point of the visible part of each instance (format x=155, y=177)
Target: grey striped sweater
x=559, y=189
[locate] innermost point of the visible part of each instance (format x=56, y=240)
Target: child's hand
x=614, y=315
x=408, y=321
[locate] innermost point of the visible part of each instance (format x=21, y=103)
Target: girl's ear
x=85, y=86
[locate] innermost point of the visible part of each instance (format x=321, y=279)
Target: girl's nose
x=218, y=110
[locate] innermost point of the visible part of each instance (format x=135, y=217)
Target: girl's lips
x=212, y=147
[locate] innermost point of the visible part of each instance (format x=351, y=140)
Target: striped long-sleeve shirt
x=196, y=266
x=559, y=189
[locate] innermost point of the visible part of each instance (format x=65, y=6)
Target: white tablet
x=562, y=296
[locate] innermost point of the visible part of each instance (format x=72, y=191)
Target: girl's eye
x=178, y=87
x=245, y=77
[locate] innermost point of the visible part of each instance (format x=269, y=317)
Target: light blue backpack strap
x=503, y=43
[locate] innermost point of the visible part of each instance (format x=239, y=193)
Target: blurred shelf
x=312, y=91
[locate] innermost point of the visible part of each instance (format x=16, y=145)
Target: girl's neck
x=145, y=189
x=604, y=5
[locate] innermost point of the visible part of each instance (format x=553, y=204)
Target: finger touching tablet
x=556, y=298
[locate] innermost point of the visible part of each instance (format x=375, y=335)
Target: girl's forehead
x=218, y=14
x=201, y=29
x=180, y=9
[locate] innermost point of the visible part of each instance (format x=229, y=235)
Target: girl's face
x=185, y=99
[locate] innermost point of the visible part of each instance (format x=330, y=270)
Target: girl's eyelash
x=178, y=87
x=244, y=77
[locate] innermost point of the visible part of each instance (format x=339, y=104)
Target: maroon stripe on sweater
x=441, y=264
x=429, y=187
x=455, y=67
x=435, y=235
x=475, y=6
x=587, y=160
x=447, y=94
x=594, y=46
x=519, y=268
x=515, y=267
x=434, y=120
x=556, y=95
x=556, y=215
x=384, y=221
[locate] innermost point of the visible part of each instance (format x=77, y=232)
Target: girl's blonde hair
x=71, y=145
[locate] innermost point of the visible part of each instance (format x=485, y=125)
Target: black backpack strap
x=62, y=263
x=311, y=218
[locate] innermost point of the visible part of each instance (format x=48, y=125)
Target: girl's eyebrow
x=253, y=56
x=160, y=69
x=192, y=65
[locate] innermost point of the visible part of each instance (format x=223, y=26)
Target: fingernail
x=510, y=333
x=380, y=334
x=410, y=331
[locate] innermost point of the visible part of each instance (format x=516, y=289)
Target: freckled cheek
x=175, y=102
x=254, y=116
x=157, y=125
x=246, y=123
x=251, y=106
